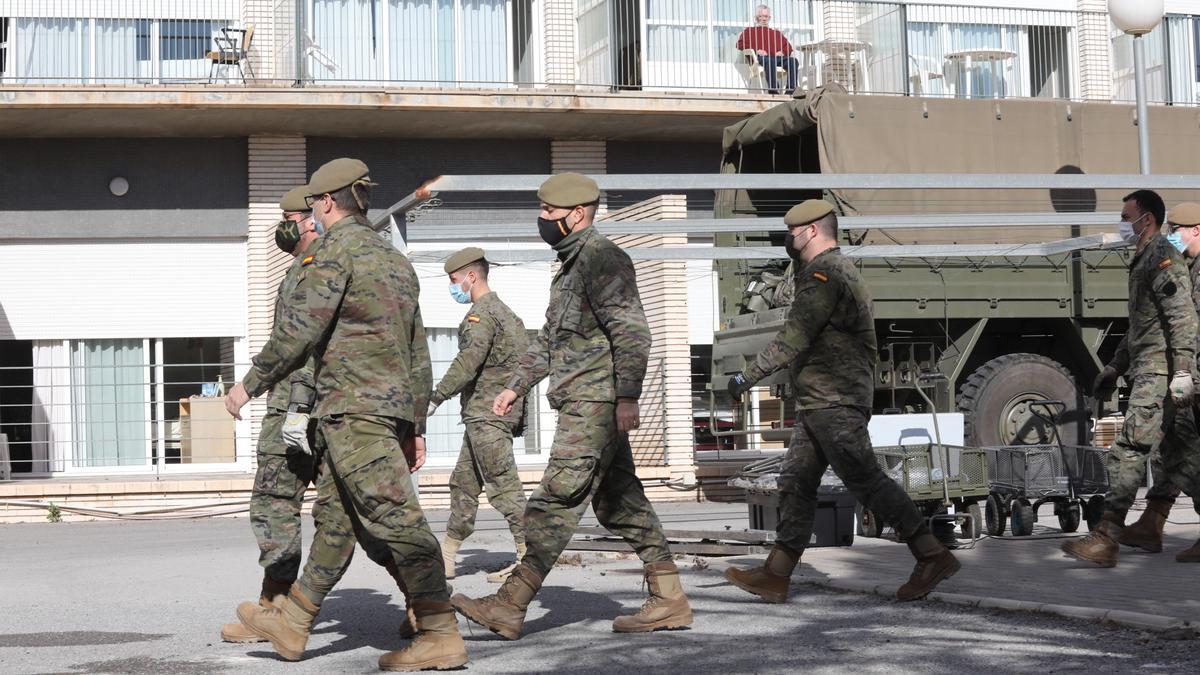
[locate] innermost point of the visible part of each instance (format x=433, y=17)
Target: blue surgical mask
x=317, y=226
x=1176, y=240
x=460, y=296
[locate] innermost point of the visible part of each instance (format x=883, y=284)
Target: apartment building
x=145, y=144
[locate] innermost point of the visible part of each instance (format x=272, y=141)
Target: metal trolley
x=1024, y=477
x=946, y=482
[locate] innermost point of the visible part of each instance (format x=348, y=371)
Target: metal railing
x=868, y=46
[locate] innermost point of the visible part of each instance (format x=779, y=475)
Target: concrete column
x=1095, y=51
x=665, y=434
x=558, y=24
x=277, y=164
x=261, y=14
x=581, y=156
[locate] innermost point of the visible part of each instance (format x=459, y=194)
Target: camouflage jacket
x=1161, y=339
x=491, y=338
x=596, y=342
x=829, y=338
x=355, y=308
x=300, y=388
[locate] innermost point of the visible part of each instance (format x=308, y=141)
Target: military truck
x=1005, y=329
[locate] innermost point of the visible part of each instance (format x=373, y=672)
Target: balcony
x=661, y=48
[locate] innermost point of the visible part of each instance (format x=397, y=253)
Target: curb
x=1138, y=620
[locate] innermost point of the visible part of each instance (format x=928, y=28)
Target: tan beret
x=807, y=211
x=568, y=190
x=1186, y=214
x=335, y=175
x=463, y=258
x=293, y=200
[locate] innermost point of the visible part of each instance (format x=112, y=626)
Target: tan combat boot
x=935, y=563
x=1147, y=532
x=449, y=551
x=499, y=576
x=1189, y=554
x=236, y=632
x=438, y=645
x=772, y=580
x=503, y=613
x=1101, y=545
x=286, y=624
x=666, y=608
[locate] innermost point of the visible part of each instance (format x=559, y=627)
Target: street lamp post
x=1136, y=18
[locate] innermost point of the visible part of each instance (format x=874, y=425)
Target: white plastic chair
x=755, y=71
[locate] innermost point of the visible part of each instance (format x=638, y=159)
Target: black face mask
x=789, y=245
x=553, y=231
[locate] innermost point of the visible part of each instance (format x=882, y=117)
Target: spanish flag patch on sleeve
x=473, y=318
x=820, y=276
x=1164, y=264
x=306, y=262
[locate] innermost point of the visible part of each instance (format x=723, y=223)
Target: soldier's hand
x=414, y=452
x=433, y=406
x=1181, y=388
x=504, y=402
x=1105, y=384
x=295, y=431
x=738, y=385
x=628, y=414
x=235, y=399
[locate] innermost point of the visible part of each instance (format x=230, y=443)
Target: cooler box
x=833, y=524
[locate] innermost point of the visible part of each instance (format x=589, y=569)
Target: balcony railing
x=869, y=46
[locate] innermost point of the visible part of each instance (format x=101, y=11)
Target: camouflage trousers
x=837, y=437
x=1176, y=464
x=1150, y=415
x=279, y=486
x=590, y=462
x=366, y=493
x=486, y=462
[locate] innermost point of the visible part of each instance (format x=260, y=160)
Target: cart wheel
x=972, y=529
x=1093, y=510
x=996, y=517
x=1069, y=517
x=1023, y=518
x=868, y=524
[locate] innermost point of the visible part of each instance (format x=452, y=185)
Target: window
x=120, y=404
x=3, y=45
x=439, y=42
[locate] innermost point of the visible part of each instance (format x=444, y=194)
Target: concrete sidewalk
x=1024, y=573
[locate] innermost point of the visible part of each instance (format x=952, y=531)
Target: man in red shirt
x=772, y=48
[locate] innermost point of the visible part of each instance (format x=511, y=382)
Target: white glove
x=295, y=432
x=433, y=406
x=1181, y=387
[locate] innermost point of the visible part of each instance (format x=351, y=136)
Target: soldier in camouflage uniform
x=1157, y=356
x=829, y=345
x=1177, y=462
x=594, y=347
x=355, y=309
x=284, y=471
x=491, y=338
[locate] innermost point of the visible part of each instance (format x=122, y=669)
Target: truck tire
x=994, y=401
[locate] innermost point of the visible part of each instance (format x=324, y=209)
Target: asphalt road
x=149, y=597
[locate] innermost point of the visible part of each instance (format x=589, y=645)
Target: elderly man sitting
x=771, y=47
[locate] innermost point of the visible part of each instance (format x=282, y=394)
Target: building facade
x=145, y=145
